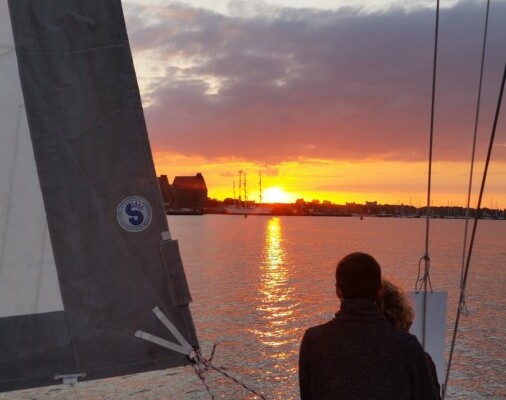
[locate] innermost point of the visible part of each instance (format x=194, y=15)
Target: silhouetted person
x=396, y=307
x=358, y=355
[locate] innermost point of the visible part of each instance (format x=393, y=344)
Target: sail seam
x=69, y=52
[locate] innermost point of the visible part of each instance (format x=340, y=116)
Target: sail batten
x=102, y=213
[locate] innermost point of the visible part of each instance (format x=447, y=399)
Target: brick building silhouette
x=186, y=194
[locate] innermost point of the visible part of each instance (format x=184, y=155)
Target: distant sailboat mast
x=235, y=203
x=241, y=205
x=245, y=191
x=240, y=186
x=260, y=188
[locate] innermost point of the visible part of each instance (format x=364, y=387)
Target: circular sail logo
x=134, y=214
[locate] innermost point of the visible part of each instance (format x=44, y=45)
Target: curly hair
x=396, y=306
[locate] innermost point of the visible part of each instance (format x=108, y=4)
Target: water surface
x=257, y=283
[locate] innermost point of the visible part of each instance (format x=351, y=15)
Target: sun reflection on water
x=277, y=303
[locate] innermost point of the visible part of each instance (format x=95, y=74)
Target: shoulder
x=315, y=342
x=408, y=340
x=319, y=330
x=417, y=355
x=315, y=337
x=413, y=341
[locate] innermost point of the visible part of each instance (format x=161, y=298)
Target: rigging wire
x=431, y=140
x=425, y=280
x=201, y=365
x=471, y=243
x=476, y=119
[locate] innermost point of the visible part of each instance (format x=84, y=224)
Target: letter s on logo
x=136, y=216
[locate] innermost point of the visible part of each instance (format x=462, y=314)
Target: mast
x=234, y=193
x=245, y=191
x=260, y=187
x=240, y=186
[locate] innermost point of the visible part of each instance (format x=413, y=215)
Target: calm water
x=259, y=282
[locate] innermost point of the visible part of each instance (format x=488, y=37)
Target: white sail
x=28, y=280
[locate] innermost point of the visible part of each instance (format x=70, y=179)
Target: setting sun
x=276, y=195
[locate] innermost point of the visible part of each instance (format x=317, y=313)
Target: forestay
x=85, y=251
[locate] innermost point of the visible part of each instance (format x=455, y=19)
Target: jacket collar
x=358, y=307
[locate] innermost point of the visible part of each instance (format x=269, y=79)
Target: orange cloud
x=329, y=104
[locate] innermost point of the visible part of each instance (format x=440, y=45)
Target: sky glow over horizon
x=330, y=103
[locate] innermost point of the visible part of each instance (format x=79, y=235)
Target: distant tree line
x=316, y=207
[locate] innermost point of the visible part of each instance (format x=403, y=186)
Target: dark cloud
x=338, y=84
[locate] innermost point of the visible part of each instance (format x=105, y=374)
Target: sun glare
x=276, y=195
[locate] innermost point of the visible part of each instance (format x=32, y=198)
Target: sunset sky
x=329, y=99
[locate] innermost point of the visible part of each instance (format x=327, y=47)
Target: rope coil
x=422, y=282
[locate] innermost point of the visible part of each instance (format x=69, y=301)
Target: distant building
x=164, y=187
x=187, y=194
x=371, y=203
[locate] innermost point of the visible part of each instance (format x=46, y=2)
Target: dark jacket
x=433, y=373
x=359, y=355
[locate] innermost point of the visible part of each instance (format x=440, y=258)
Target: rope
x=431, y=136
x=425, y=280
x=201, y=365
x=426, y=277
x=471, y=243
x=476, y=119
x=426, y=256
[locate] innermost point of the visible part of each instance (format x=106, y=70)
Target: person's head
x=396, y=306
x=358, y=276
